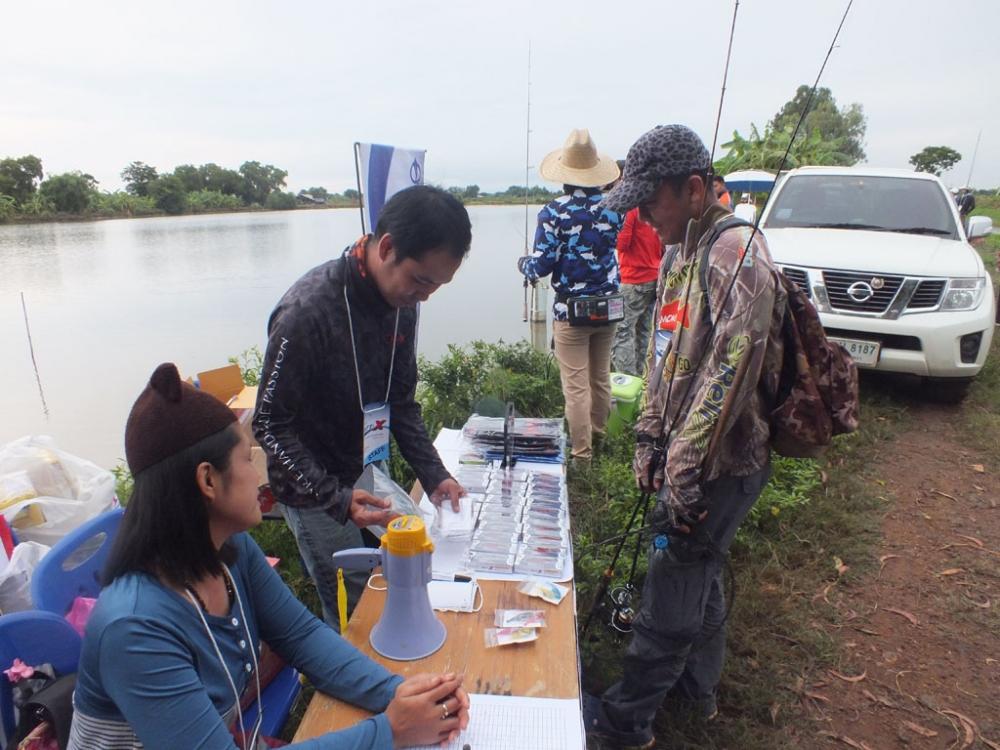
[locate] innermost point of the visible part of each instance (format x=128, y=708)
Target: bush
x=450, y=388
x=279, y=201
x=121, y=203
x=169, y=194
x=6, y=208
x=71, y=192
x=204, y=201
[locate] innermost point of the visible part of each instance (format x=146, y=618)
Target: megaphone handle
x=359, y=558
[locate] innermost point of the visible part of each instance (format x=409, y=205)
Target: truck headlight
x=963, y=294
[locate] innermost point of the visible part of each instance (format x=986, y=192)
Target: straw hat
x=578, y=163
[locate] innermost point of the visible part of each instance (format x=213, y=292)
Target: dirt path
x=920, y=637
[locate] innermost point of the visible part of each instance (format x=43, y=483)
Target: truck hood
x=878, y=252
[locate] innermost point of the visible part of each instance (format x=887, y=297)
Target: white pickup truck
x=884, y=257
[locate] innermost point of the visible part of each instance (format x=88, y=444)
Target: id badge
x=376, y=433
x=661, y=344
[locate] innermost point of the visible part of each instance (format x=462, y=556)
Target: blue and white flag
x=383, y=171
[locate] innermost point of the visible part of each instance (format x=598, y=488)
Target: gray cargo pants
x=679, y=637
x=628, y=353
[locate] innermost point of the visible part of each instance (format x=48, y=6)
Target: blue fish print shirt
x=575, y=242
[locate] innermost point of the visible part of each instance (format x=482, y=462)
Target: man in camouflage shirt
x=702, y=442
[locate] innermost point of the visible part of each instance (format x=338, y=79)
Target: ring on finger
x=445, y=713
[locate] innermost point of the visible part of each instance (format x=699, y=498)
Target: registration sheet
x=504, y=722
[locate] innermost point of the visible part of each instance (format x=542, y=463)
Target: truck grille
x=927, y=294
x=798, y=277
x=838, y=282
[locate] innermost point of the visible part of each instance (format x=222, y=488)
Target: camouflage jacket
x=718, y=411
x=575, y=242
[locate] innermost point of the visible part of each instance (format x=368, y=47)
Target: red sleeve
x=625, y=235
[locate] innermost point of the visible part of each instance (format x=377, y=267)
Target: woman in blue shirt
x=575, y=244
x=174, y=639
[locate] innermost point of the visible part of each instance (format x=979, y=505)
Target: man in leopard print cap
x=702, y=441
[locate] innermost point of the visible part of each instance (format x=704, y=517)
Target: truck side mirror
x=978, y=226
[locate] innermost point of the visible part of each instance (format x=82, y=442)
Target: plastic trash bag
x=376, y=482
x=15, y=580
x=45, y=492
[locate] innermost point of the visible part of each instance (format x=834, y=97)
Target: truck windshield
x=886, y=204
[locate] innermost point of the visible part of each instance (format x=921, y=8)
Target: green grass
x=981, y=415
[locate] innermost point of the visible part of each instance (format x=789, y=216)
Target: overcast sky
x=95, y=85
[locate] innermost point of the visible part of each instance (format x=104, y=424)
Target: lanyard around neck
x=354, y=351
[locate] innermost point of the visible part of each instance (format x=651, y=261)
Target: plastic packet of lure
x=504, y=547
x=548, y=551
x=455, y=525
x=544, y=540
x=496, y=534
x=496, y=522
x=500, y=513
x=473, y=479
x=531, y=525
x=519, y=618
x=494, y=637
x=545, y=493
x=546, y=481
x=488, y=562
x=537, y=502
x=506, y=486
x=542, y=512
x=503, y=498
x=551, y=592
x=539, y=566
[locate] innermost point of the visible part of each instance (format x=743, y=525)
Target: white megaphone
x=408, y=628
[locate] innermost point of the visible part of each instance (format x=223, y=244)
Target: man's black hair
x=718, y=178
x=424, y=218
x=164, y=531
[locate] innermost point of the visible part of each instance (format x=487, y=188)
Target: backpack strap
x=717, y=229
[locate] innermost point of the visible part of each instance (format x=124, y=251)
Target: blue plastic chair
x=277, y=698
x=35, y=638
x=73, y=566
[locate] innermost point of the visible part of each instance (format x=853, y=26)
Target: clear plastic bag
x=46, y=492
x=376, y=482
x=15, y=580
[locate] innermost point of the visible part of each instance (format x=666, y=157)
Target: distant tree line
x=26, y=191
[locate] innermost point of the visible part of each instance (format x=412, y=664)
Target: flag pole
x=361, y=192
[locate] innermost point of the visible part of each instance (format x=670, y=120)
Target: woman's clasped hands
x=428, y=709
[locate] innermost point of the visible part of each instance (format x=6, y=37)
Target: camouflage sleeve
x=729, y=374
x=650, y=417
x=546, y=248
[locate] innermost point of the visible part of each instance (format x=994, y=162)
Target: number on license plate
x=863, y=352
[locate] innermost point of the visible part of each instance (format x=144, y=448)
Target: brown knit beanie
x=168, y=417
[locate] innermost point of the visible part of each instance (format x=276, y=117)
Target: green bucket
x=626, y=394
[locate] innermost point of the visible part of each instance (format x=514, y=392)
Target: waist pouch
x=594, y=311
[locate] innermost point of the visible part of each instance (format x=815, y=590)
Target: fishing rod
x=527, y=167
x=972, y=166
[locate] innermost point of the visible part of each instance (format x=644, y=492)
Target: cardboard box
x=226, y=384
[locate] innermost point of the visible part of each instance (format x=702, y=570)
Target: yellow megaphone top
x=406, y=536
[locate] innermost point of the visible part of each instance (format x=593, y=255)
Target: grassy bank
x=981, y=415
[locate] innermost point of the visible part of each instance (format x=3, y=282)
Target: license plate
x=862, y=352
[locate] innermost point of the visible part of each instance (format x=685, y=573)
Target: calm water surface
x=108, y=301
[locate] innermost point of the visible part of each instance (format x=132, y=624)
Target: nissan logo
x=860, y=291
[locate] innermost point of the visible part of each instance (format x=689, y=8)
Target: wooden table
x=545, y=668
